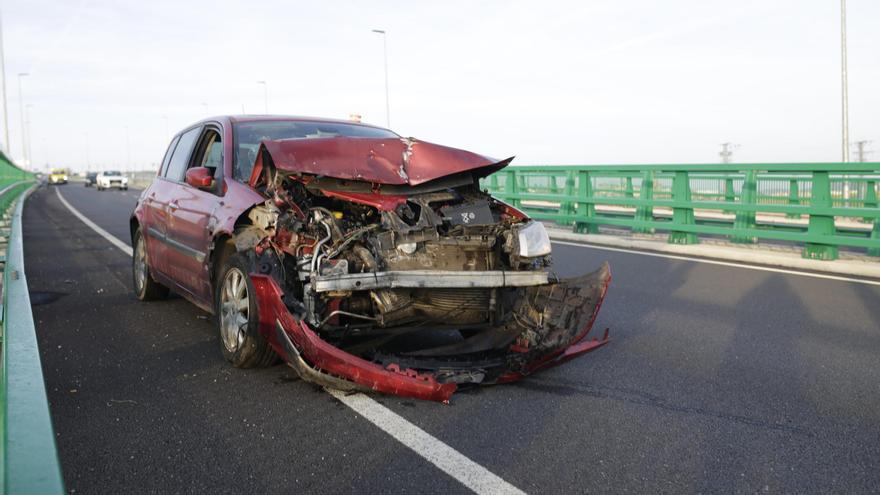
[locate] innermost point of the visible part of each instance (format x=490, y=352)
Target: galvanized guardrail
x=28, y=455
x=823, y=206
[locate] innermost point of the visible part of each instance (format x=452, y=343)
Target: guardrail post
x=870, y=198
x=586, y=209
x=566, y=207
x=875, y=236
x=551, y=183
x=645, y=213
x=729, y=193
x=793, y=197
x=746, y=219
x=493, y=183
x=511, y=187
x=629, y=187
x=820, y=225
x=681, y=216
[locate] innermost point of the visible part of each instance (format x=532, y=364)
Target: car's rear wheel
x=145, y=287
x=238, y=319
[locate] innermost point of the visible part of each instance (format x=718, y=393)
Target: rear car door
x=191, y=212
x=155, y=200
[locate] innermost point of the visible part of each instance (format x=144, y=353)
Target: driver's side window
x=209, y=153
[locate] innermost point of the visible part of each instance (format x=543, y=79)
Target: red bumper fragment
x=327, y=358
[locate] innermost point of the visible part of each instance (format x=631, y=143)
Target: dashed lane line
x=441, y=455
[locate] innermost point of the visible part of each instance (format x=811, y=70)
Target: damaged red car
x=363, y=259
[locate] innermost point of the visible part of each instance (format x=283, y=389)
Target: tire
x=242, y=344
x=100, y=188
x=125, y=189
x=145, y=288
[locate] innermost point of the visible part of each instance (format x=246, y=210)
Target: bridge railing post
x=745, y=220
x=645, y=213
x=870, y=196
x=821, y=225
x=586, y=209
x=566, y=206
x=793, y=197
x=682, y=215
x=729, y=192
x=511, y=187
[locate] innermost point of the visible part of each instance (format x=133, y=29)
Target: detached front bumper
x=547, y=326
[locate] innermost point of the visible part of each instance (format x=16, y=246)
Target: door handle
x=173, y=205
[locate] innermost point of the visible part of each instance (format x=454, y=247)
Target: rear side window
x=180, y=157
x=167, y=157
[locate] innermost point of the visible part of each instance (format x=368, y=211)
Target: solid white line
x=447, y=459
x=722, y=263
x=103, y=233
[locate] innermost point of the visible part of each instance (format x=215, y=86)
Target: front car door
x=192, y=213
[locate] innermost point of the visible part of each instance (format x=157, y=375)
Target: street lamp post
x=27, y=131
x=21, y=111
x=6, y=143
x=265, y=96
x=385, y=55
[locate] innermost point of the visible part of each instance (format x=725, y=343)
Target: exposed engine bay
x=437, y=283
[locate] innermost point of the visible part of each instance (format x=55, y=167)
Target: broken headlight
x=533, y=240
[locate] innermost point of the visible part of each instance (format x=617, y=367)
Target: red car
x=365, y=260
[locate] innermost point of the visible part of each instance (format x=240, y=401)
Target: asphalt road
x=718, y=379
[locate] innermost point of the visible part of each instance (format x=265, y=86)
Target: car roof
x=282, y=118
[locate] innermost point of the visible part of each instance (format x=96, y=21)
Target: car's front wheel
x=145, y=287
x=237, y=317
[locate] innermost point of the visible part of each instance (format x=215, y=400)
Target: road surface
x=717, y=379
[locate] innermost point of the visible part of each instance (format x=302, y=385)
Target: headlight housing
x=533, y=240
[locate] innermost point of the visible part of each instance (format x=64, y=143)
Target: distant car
x=111, y=178
x=58, y=176
x=366, y=260
x=91, y=179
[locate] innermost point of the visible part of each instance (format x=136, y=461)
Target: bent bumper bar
x=440, y=279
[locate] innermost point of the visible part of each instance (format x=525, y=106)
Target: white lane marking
x=723, y=263
x=447, y=459
x=103, y=233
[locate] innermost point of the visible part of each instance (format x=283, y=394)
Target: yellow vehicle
x=58, y=176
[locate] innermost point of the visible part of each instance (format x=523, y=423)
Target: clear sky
x=582, y=82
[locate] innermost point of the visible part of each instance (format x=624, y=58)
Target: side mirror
x=200, y=177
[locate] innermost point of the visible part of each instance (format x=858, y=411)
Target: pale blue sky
x=590, y=81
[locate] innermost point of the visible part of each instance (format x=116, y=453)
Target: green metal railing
x=823, y=206
x=28, y=455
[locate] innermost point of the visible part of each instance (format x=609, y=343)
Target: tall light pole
x=844, y=97
x=21, y=111
x=385, y=54
x=265, y=96
x=27, y=131
x=6, y=143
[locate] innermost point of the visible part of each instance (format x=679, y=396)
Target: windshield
x=58, y=171
x=248, y=136
x=112, y=172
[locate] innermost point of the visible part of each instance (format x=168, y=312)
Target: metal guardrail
x=28, y=455
x=837, y=200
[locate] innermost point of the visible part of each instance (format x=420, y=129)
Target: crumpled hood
x=381, y=161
